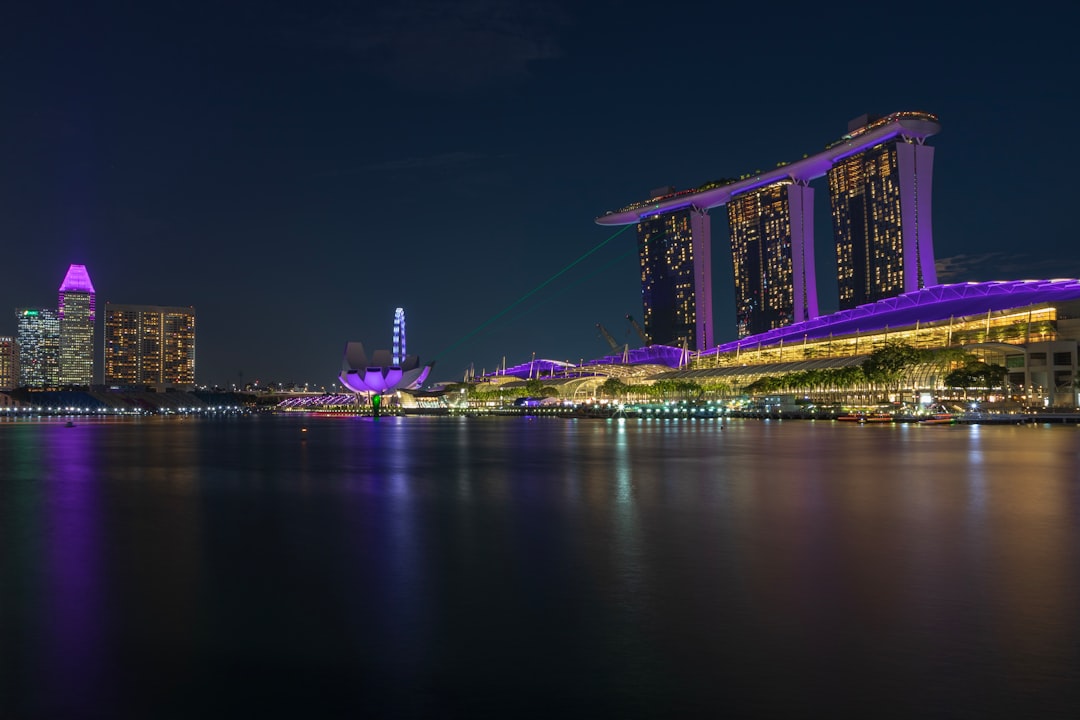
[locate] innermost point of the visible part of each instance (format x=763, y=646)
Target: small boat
x=69, y=423
x=939, y=419
x=863, y=418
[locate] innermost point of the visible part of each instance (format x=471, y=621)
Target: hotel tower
x=676, y=293
x=880, y=179
x=881, y=220
x=773, y=256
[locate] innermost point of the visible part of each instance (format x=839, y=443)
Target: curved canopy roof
x=928, y=305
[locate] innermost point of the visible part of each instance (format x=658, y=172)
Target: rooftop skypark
x=909, y=124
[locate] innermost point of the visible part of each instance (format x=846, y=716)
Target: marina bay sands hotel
x=879, y=175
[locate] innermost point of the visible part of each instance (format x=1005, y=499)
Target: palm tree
x=612, y=388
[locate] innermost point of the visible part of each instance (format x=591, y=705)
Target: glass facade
x=881, y=222
x=38, y=338
x=880, y=176
x=772, y=255
x=149, y=345
x=77, y=314
x=676, y=278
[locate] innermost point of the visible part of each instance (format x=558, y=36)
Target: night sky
x=295, y=171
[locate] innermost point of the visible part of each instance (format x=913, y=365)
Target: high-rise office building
x=38, y=339
x=881, y=219
x=9, y=363
x=76, y=313
x=773, y=256
x=149, y=345
x=676, y=278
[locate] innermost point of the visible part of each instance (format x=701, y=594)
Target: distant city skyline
x=143, y=345
x=313, y=168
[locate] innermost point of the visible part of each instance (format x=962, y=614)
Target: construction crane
x=607, y=336
x=644, y=338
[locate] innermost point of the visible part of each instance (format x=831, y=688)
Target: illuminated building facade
x=76, y=313
x=881, y=220
x=9, y=365
x=149, y=345
x=880, y=173
x=383, y=371
x=38, y=339
x=676, y=278
x=1029, y=327
x=773, y=258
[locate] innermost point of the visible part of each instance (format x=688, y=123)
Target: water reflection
x=455, y=566
x=74, y=615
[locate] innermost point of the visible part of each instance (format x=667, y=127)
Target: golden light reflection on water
x=660, y=549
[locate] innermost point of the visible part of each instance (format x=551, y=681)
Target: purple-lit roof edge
x=805, y=169
x=932, y=304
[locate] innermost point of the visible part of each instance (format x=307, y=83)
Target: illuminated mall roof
x=652, y=355
x=932, y=304
x=657, y=357
x=917, y=125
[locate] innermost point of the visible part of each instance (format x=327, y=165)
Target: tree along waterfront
x=893, y=372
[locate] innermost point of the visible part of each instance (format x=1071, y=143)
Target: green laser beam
x=542, y=303
x=532, y=292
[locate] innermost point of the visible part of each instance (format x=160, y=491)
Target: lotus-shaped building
x=383, y=372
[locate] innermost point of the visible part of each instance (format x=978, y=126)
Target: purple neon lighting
x=383, y=379
x=906, y=124
x=77, y=280
x=381, y=373
x=535, y=368
x=653, y=355
x=931, y=304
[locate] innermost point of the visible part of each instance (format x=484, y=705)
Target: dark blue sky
x=296, y=173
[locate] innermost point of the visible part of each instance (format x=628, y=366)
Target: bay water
x=270, y=566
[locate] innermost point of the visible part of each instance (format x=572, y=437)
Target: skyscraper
x=676, y=278
x=9, y=376
x=38, y=336
x=881, y=219
x=76, y=313
x=773, y=256
x=149, y=345
x=880, y=177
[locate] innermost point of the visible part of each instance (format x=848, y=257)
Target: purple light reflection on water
x=73, y=617
x=278, y=566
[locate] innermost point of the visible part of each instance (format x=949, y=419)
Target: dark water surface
x=517, y=567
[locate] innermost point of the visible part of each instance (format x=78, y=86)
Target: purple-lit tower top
x=77, y=280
